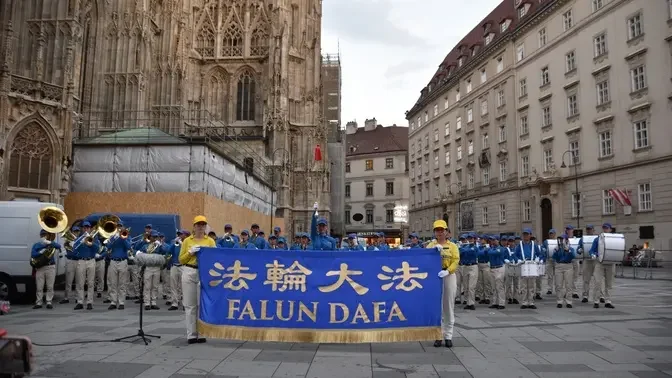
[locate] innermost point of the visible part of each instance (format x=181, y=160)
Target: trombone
x=106, y=227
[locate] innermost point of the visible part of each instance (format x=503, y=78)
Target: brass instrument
x=54, y=221
x=124, y=234
x=152, y=247
x=106, y=227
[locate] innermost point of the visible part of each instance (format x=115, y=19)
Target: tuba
x=54, y=221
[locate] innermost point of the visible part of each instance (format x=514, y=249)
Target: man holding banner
x=450, y=259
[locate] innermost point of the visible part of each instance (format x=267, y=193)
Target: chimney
x=351, y=127
x=370, y=124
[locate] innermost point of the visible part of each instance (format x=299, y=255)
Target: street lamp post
x=273, y=190
x=576, y=185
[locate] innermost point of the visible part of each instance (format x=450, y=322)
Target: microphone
x=150, y=259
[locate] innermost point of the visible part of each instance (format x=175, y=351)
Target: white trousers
x=484, y=283
x=469, y=280
x=164, y=288
x=564, y=274
x=604, y=281
x=588, y=281
x=498, y=296
x=117, y=279
x=191, y=293
x=550, y=275
x=46, y=275
x=448, y=306
x=460, y=288
x=575, y=276
x=86, y=274
x=70, y=273
x=100, y=276
x=527, y=290
x=133, y=287
x=176, y=285
x=151, y=290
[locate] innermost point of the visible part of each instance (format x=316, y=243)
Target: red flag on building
x=318, y=153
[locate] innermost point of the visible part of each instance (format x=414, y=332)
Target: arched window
x=245, y=97
x=217, y=94
x=232, y=42
x=30, y=158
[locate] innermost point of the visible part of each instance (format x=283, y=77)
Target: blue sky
x=390, y=49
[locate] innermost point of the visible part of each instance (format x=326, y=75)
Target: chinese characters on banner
x=320, y=296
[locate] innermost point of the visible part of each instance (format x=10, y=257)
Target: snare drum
x=512, y=270
x=529, y=269
x=542, y=269
x=574, y=243
x=611, y=248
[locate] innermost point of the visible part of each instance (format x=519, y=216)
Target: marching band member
x=564, y=269
x=527, y=250
x=117, y=272
x=134, y=270
x=352, y=244
x=604, y=273
x=176, y=271
x=255, y=230
x=382, y=243
x=297, y=241
x=70, y=267
x=152, y=274
x=45, y=275
x=260, y=241
x=512, y=283
x=469, y=262
x=272, y=242
x=550, y=265
x=450, y=259
x=228, y=230
x=498, y=256
x=245, y=241
x=588, y=266
x=460, y=298
x=484, y=283
x=87, y=251
x=306, y=244
x=100, y=270
x=282, y=243
x=276, y=231
x=164, y=286
x=414, y=240
x=228, y=240
x=190, y=279
x=319, y=237
x=569, y=230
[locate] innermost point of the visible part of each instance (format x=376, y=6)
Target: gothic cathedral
x=74, y=69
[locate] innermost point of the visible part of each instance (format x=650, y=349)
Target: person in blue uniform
x=304, y=245
x=528, y=250
x=512, y=282
x=484, y=283
x=86, y=267
x=352, y=244
x=70, y=266
x=319, y=237
x=569, y=230
x=282, y=243
x=245, y=241
x=588, y=267
x=469, y=263
x=117, y=271
x=382, y=243
x=564, y=270
x=604, y=273
x=176, y=271
x=45, y=275
x=272, y=242
x=253, y=235
x=498, y=256
x=550, y=265
x=152, y=274
x=260, y=241
x=277, y=232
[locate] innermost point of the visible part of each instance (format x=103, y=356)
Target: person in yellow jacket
x=450, y=259
x=190, y=279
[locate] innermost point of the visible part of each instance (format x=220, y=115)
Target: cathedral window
x=245, y=97
x=259, y=42
x=205, y=42
x=30, y=158
x=232, y=41
x=218, y=90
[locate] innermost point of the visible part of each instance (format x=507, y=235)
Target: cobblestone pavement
x=632, y=340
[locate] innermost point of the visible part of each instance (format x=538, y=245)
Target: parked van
x=19, y=230
x=168, y=224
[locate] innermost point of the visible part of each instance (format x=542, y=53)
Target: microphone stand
x=145, y=337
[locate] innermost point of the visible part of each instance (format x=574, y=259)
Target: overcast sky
x=390, y=49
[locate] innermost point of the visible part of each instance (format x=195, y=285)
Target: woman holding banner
x=450, y=258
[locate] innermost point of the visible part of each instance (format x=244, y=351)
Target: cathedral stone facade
x=214, y=69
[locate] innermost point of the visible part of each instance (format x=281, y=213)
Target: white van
x=19, y=230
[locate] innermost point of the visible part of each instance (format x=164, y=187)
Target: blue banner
x=320, y=296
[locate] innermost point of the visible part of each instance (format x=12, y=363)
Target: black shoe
x=568, y=305
x=464, y=302
x=472, y=307
x=532, y=307
x=168, y=303
x=112, y=307
x=515, y=301
x=584, y=300
x=481, y=302
x=575, y=296
x=609, y=305
x=437, y=343
x=601, y=300
x=99, y=295
x=448, y=343
x=138, y=301
x=107, y=301
x=523, y=307
x=121, y=307
x=457, y=302
x=500, y=307
x=79, y=306
x=165, y=297
x=155, y=307
x=36, y=307
x=147, y=308
x=201, y=340
x=89, y=306
x=549, y=292
x=510, y=301
x=477, y=299
x=487, y=301
x=596, y=305
x=128, y=298
x=49, y=306
x=538, y=297
x=172, y=308
x=192, y=341
x=493, y=306
x=559, y=305
x=466, y=307
x=64, y=301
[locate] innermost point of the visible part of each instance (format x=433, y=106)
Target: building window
x=597, y=4
x=488, y=38
x=459, y=153
x=521, y=11
x=426, y=141
x=548, y=160
x=369, y=216
x=245, y=97
x=504, y=25
x=470, y=180
x=502, y=213
x=347, y=167
x=572, y=105
x=347, y=216
x=600, y=45
x=567, y=20
x=468, y=85
x=412, y=170
x=644, y=196
x=545, y=76
x=576, y=205
x=389, y=163
x=369, y=165
x=369, y=189
x=426, y=116
x=484, y=141
x=436, y=160
x=527, y=211
x=605, y=144
x=501, y=100
x=484, y=107
x=457, y=95
x=436, y=110
x=484, y=215
x=445, y=103
x=447, y=129
x=520, y=53
x=470, y=147
x=459, y=62
x=484, y=75
x=347, y=190
x=486, y=175
x=522, y=87
x=570, y=62
x=635, y=26
x=638, y=78
x=641, y=129
x=574, y=152
x=458, y=123
x=31, y=158
x=524, y=126
x=419, y=122
x=607, y=203
x=542, y=37
x=524, y=166
x=546, y=116
x=503, y=172
x=436, y=135
x=603, y=95
x=412, y=125
x=427, y=163
x=502, y=134
x=470, y=115
x=389, y=216
x=500, y=64
x=447, y=157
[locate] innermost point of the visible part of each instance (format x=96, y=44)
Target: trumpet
x=106, y=227
x=124, y=234
x=178, y=242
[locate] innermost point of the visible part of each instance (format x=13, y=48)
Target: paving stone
x=88, y=369
x=505, y=367
x=414, y=358
x=249, y=368
x=291, y=370
x=285, y=356
x=661, y=366
x=199, y=367
x=270, y=345
x=459, y=374
x=620, y=367
x=564, y=346
x=571, y=358
x=388, y=374
x=597, y=374
x=558, y=368
x=345, y=347
x=396, y=347
x=654, y=348
x=167, y=331
x=656, y=332
x=650, y=374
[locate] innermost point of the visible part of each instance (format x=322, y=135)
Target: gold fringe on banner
x=297, y=335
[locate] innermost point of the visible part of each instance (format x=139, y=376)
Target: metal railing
x=647, y=264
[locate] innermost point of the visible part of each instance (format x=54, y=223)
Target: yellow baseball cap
x=200, y=219
x=440, y=224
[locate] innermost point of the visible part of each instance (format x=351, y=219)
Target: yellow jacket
x=450, y=255
x=188, y=259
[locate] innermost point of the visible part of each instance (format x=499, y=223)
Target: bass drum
x=574, y=243
x=552, y=245
x=587, y=244
x=611, y=248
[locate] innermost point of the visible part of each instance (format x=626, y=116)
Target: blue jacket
x=261, y=243
x=83, y=251
x=512, y=255
x=139, y=245
x=119, y=248
x=245, y=245
x=175, y=250
x=347, y=247
x=562, y=256
x=497, y=255
x=482, y=255
x=299, y=247
x=468, y=254
x=594, y=248
x=221, y=243
x=526, y=252
x=40, y=246
x=320, y=242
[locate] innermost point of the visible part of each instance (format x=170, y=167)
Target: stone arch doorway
x=546, y=218
x=30, y=171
